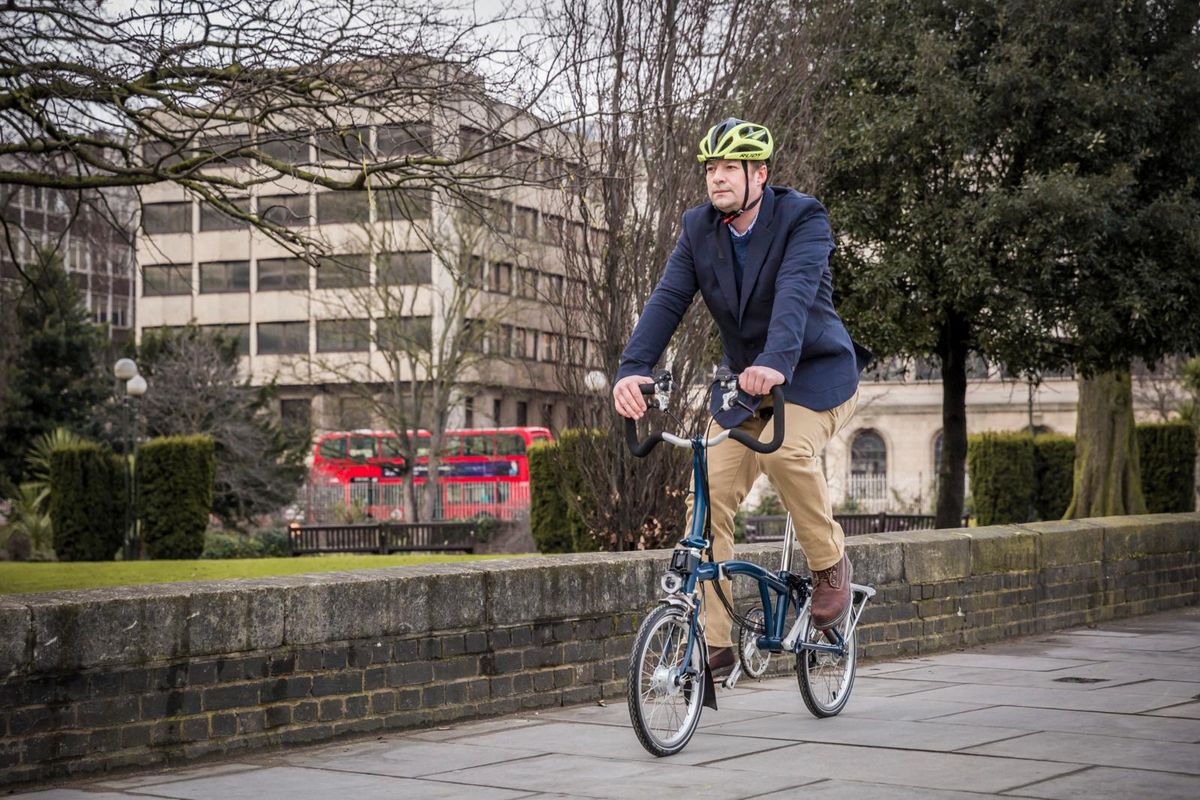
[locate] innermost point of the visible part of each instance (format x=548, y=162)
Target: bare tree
x=652, y=78
x=224, y=98
x=429, y=325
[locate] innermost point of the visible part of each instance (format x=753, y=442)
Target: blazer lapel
x=720, y=246
x=760, y=243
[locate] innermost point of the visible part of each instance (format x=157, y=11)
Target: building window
x=282, y=274
x=499, y=278
x=576, y=292
x=288, y=210
x=403, y=204
x=290, y=147
x=342, y=145
x=868, y=454
x=548, y=415
x=552, y=229
x=213, y=219
x=405, y=334
x=526, y=222
x=224, y=276
x=337, y=208
x=343, y=272
x=343, y=335
x=476, y=267
x=295, y=414
x=497, y=407
x=166, y=279
x=167, y=217
x=397, y=141
x=238, y=334
x=522, y=413
x=400, y=269
x=527, y=283
x=868, y=470
x=282, y=338
x=550, y=347
x=937, y=455
x=469, y=413
x=554, y=289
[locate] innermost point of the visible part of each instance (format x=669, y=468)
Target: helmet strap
x=746, y=204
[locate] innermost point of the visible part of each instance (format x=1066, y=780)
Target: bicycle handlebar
x=643, y=448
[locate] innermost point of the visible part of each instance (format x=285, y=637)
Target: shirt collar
x=733, y=231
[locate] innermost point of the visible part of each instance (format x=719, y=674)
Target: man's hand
x=627, y=396
x=759, y=380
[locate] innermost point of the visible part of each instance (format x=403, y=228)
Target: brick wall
x=103, y=679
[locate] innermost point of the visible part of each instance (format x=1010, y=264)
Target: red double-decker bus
x=482, y=471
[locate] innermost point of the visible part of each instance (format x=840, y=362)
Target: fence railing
x=353, y=502
x=870, y=492
x=771, y=528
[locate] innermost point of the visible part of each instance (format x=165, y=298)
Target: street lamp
x=135, y=386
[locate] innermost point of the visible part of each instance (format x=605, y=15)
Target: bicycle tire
x=826, y=680
x=664, y=715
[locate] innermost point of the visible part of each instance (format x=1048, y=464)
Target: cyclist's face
x=726, y=182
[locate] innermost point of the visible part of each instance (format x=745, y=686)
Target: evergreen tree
x=56, y=378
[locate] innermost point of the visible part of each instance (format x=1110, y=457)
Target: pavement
x=1111, y=711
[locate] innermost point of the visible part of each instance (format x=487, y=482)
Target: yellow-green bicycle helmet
x=736, y=140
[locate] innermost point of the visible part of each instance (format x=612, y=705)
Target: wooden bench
x=384, y=537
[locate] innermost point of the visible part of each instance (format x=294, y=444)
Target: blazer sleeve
x=668, y=303
x=805, y=259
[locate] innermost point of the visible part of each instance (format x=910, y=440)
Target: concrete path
x=1105, y=712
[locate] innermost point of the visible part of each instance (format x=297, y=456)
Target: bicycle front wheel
x=664, y=702
x=827, y=678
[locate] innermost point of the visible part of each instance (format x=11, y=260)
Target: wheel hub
x=665, y=681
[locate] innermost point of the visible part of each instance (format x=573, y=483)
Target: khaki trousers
x=795, y=470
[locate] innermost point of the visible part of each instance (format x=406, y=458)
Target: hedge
x=1003, y=475
x=1054, y=474
x=175, y=494
x=1167, y=453
x=87, y=502
x=559, y=497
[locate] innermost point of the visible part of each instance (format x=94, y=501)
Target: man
x=759, y=255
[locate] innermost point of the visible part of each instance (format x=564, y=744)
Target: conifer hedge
x=87, y=502
x=1054, y=459
x=1167, y=453
x=1003, y=474
x=175, y=494
x=559, y=497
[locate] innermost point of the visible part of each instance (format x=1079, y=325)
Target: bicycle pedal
x=732, y=680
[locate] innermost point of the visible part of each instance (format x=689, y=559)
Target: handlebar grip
x=639, y=449
x=773, y=445
x=647, y=388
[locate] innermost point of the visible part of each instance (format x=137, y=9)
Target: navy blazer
x=784, y=317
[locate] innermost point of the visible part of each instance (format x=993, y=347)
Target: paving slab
x=1114, y=784
x=986, y=722
x=909, y=768
x=1098, y=750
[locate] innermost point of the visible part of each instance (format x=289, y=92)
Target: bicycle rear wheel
x=664, y=703
x=827, y=678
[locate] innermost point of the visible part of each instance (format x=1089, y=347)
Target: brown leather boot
x=831, y=594
x=720, y=661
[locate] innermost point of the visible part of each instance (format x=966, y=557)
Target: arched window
x=868, y=454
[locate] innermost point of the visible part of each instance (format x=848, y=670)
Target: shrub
x=87, y=502
x=560, y=499
x=175, y=494
x=1054, y=469
x=1167, y=453
x=218, y=544
x=1002, y=477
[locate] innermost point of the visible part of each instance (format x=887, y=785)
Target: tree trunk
x=1107, y=476
x=953, y=351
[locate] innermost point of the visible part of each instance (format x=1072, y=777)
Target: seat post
x=789, y=541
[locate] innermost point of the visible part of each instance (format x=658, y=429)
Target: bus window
x=362, y=447
x=510, y=444
x=390, y=447
x=451, y=446
x=477, y=444
x=333, y=448
x=540, y=437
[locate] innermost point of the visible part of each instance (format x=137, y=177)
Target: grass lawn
x=21, y=577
